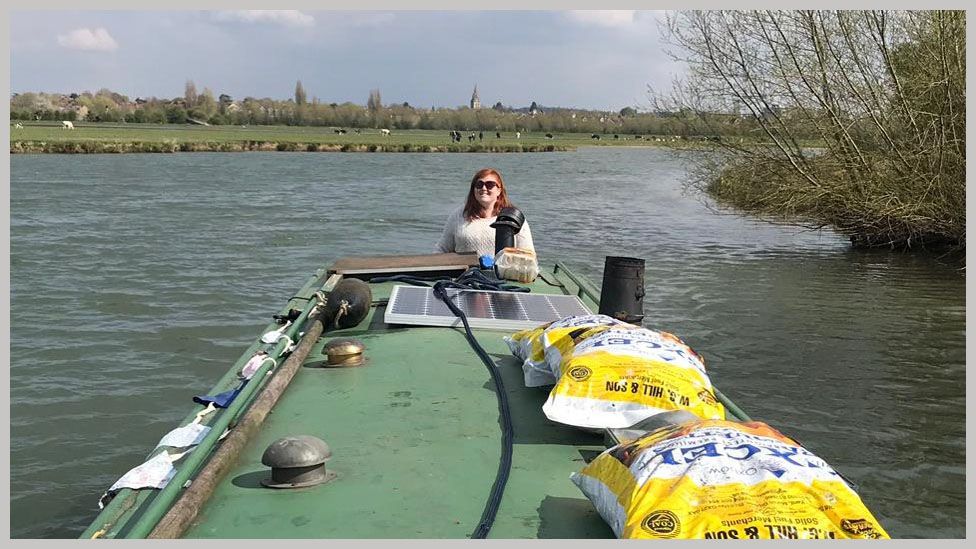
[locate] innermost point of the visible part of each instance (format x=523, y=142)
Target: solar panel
x=484, y=308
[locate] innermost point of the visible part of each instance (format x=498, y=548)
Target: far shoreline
x=47, y=137
x=110, y=147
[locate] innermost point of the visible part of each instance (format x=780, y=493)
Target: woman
x=469, y=229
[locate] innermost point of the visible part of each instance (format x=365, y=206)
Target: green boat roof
x=415, y=438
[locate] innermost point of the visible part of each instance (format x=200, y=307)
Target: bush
x=175, y=114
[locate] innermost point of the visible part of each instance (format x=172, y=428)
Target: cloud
x=288, y=18
x=603, y=18
x=87, y=39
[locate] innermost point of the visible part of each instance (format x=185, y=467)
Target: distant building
x=475, y=100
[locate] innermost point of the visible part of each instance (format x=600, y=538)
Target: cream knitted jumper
x=477, y=235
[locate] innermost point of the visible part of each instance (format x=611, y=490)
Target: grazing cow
x=338, y=131
x=471, y=137
x=518, y=135
x=498, y=135
x=638, y=137
x=359, y=130
x=455, y=136
x=595, y=136
x=481, y=136
x=548, y=136
x=615, y=136
x=19, y=126
x=67, y=125
x=385, y=131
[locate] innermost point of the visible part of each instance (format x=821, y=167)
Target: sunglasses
x=486, y=184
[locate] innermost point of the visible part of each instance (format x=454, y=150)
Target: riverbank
x=875, y=210
x=47, y=137
x=110, y=147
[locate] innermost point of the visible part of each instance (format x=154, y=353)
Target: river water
x=137, y=280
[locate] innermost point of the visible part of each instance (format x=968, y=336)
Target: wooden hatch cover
x=424, y=265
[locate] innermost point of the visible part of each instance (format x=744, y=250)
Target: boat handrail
x=584, y=285
x=195, y=459
x=122, y=504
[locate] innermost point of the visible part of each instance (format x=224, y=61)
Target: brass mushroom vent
x=344, y=352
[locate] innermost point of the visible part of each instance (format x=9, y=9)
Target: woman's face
x=487, y=190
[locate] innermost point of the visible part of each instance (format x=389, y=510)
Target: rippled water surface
x=137, y=280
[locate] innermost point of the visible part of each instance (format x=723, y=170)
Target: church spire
x=475, y=100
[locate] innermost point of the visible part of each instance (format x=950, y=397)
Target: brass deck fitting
x=344, y=352
x=297, y=462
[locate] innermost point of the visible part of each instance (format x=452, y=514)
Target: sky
x=579, y=59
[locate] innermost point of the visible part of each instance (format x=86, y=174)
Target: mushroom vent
x=344, y=352
x=297, y=462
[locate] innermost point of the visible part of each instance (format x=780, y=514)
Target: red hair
x=471, y=205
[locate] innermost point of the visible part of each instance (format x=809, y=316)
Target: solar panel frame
x=486, y=309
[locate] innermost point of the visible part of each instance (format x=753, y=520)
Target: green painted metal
x=585, y=286
x=415, y=439
x=730, y=407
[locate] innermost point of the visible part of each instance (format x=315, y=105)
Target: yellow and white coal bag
x=617, y=376
x=530, y=345
x=717, y=479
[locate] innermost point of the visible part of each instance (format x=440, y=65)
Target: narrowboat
x=363, y=410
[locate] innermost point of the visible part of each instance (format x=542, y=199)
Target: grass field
x=95, y=137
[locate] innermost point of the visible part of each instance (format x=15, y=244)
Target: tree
x=175, y=114
x=206, y=106
x=26, y=101
x=116, y=98
x=375, y=107
x=299, y=93
x=190, y=94
x=881, y=92
x=374, y=103
x=223, y=102
x=628, y=111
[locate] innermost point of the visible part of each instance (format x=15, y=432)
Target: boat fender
x=348, y=303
